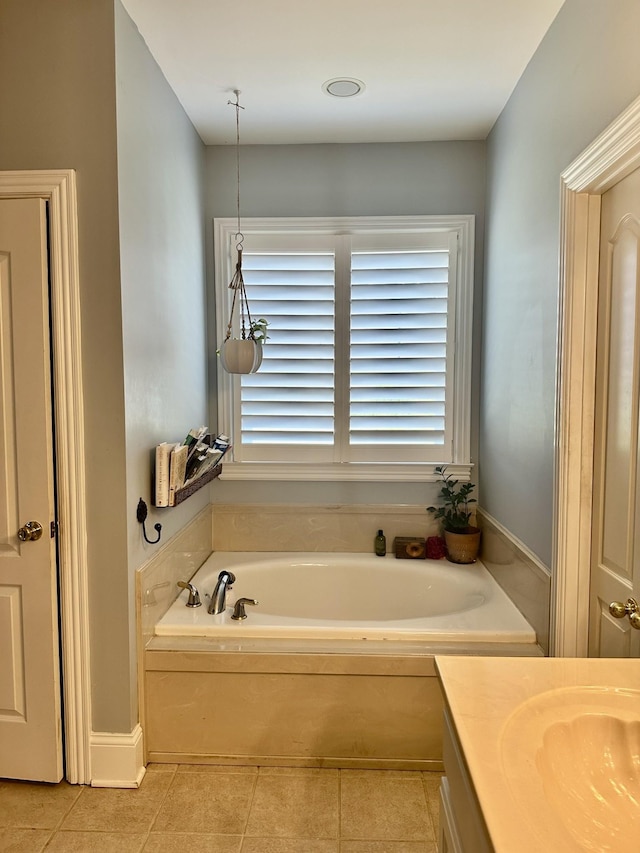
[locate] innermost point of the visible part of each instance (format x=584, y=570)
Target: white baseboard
x=117, y=760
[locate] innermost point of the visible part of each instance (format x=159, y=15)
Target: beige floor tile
x=431, y=783
x=388, y=847
x=298, y=771
x=289, y=845
x=207, y=802
x=35, y=805
x=218, y=768
x=23, y=840
x=127, y=810
x=384, y=808
x=382, y=774
x=162, y=768
x=295, y=806
x=96, y=842
x=187, y=842
x=154, y=785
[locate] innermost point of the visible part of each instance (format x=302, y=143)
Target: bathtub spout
x=218, y=599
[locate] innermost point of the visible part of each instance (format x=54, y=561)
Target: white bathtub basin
x=356, y=596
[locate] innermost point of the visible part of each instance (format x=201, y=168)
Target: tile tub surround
x=297, y=703
x=156, y=584
x=525, y=580
x=485, y=696
x=306, y=527
x=178, y=560
x=206, y=809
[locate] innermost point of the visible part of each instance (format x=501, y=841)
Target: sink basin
x=572, y=756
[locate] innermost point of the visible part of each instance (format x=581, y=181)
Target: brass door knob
x=30, y=532
x=634, y=618
x=629, y=608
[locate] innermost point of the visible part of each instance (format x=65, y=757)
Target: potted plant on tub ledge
x=462, y=539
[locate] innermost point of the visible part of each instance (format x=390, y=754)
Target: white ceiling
x=433, y=69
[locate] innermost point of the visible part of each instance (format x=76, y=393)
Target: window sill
x=336, y=472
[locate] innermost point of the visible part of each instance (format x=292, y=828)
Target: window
x=366, y=370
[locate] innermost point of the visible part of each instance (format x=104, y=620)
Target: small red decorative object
x=436, y=548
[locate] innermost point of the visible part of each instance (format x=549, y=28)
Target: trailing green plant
x=259, y=329
x=455, y=497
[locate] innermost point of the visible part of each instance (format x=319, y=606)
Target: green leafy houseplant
x=259, y=329
x=454, y=512
x=462, y=539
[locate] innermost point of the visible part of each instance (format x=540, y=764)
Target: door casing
x=610, y=158
x=58, y=188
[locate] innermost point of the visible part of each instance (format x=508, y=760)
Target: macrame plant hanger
x=242, y=355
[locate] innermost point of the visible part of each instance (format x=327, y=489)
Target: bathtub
x=333, y=668
x=350, y=597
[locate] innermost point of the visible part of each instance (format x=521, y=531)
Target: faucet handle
x=238, y=610
x=194, y=595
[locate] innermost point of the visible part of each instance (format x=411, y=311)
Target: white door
x=615, y=562
x=30, y=716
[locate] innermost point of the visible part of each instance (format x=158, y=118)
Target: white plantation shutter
x=290, y=401
x=360, y=364
x=398, y=359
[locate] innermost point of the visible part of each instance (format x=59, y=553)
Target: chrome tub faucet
x=218, y=599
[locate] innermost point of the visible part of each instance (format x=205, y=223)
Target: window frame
x=461, y=301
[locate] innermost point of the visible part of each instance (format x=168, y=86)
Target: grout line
x=66, y=813
x=251, y=799
x=48, y=841
x=161, y=802
x=339, y=808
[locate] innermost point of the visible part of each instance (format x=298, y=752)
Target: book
x=177, y=469
x=163, y=456
x=195, y=437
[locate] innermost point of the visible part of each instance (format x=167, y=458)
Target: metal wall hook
x=141, y=515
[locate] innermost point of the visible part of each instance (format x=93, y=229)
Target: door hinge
x=54, y=529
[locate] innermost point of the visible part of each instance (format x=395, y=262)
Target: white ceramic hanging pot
x=241, y=356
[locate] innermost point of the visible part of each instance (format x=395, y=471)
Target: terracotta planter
x=241, y=356
x=463, y=547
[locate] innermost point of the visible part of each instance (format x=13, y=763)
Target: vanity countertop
x=515, y=716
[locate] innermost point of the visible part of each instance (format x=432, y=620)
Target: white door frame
x=58, y=187
x=612, y=156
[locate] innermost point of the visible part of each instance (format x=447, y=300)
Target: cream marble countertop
x=500, y=708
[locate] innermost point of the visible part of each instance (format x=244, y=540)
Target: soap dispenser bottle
x=380, y=545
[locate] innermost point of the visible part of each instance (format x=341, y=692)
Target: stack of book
x=180, y=465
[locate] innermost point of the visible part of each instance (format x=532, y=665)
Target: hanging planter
x=244, y=354
x=237, y=356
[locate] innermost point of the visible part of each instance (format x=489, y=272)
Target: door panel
x=30, y=717
x=615, y=574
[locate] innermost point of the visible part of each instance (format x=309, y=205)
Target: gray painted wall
x=161, y=216
x=57, y=102
x=585, y=72
x=345, y=180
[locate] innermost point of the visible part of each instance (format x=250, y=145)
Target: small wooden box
x=410, y=548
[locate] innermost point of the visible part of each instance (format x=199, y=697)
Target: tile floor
x=207, y=809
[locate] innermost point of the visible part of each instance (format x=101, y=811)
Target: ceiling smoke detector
x=343, y=87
